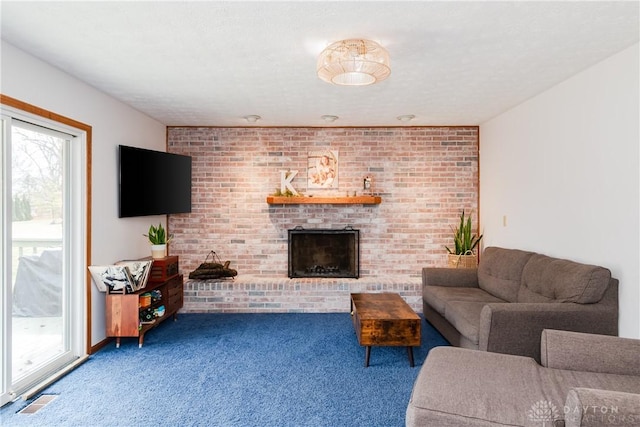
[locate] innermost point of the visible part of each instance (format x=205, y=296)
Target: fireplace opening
x=324, y=253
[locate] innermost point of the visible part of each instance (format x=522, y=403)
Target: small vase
x=158, y=251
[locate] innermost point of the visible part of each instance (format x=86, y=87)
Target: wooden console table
x=123, y=311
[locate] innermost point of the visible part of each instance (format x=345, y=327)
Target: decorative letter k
x=285, y=181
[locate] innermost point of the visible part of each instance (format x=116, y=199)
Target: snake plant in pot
x=158, y=238
x=465, y=241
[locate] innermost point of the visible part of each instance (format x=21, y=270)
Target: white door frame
x=76, y=237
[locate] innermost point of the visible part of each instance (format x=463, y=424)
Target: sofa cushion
x=465, y=317
x=461, y=387
x=500, y=271
x=547, y=279
x=438, y=296
x=598, y=353
x=595, y=407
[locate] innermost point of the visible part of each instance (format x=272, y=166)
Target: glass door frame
x=77, y=237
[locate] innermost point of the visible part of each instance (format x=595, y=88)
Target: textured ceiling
x=212, y=63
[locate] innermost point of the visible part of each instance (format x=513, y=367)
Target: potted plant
x=463, y=254
x=158, y=239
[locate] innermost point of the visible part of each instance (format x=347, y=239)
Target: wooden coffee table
x=384, y=319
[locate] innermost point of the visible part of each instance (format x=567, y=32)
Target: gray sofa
x=583, y=380
x=504, y=304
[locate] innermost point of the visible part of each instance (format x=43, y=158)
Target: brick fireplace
x=425, y=176
x=324, y=253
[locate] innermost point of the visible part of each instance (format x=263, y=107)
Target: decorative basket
x=463, y=261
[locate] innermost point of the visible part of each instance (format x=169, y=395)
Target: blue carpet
x=237, y=370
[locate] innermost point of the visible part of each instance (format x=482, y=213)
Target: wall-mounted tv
x=153, y=182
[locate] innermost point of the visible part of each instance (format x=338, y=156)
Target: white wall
x=30, y=80
x=563, y=168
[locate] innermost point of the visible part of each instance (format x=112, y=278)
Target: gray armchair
x=583, y=380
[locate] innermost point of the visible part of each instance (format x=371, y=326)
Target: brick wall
x=425, y=176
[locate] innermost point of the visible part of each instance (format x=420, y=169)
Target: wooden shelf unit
x=308, y=200
x=123, y=310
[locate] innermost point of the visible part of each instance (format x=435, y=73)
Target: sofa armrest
x=593, y=407
x=588, y=352
x=516, y=328
x=457, y=277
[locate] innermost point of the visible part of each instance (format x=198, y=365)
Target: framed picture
x=323, y=169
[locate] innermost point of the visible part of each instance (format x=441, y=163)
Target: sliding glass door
x=42, y=314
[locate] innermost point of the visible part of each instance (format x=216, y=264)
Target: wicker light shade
x=354, y=62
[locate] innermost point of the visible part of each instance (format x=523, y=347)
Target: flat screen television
x=153, y=182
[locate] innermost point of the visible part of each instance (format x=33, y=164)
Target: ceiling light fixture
x=328, y=118
x=354, y=62
x=406, y=118
x=252, y=118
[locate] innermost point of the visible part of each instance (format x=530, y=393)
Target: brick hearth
x=311, y=295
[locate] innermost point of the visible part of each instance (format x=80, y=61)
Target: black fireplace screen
x=324, y=253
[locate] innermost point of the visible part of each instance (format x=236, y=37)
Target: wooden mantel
x=307, y=200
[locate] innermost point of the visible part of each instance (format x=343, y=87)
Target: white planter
x=158, y=251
